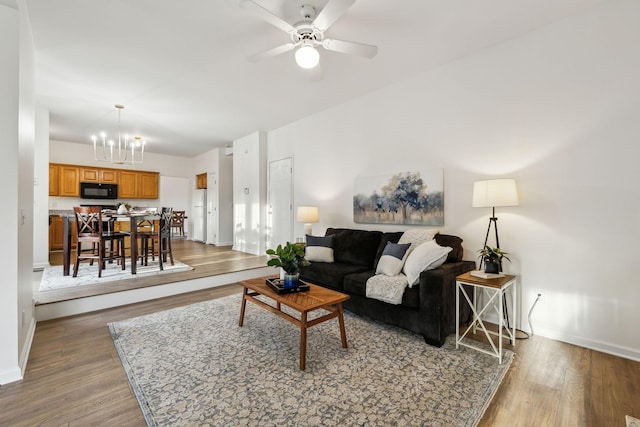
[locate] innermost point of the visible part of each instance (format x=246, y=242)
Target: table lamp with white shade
x=308, y=215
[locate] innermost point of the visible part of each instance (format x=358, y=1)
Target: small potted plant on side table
x=492, y=259
x=290, y=258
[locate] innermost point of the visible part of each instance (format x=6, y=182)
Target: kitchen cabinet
x=128, y=185
x=64, y=181
x=138, y=185
x=148, y=185
x=69, y=181
x=201, y=181
x=56, y=234
x=54, y=179
x=99, y=175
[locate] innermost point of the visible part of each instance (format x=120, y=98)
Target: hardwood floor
x=74, y=377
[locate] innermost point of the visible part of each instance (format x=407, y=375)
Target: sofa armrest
x=438, y=298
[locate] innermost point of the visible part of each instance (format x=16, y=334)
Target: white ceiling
x=180, y=67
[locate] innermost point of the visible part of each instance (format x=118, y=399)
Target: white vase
x=122, y=209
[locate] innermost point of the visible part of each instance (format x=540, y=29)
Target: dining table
x=133, y=217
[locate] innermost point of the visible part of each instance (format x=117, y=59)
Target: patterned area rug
x=53, y=279
x=193, y=365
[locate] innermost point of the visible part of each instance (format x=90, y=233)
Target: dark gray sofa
x=428, y=308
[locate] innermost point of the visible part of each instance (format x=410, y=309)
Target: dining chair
x=90, y=230
x=178, y=222
x=158, y=241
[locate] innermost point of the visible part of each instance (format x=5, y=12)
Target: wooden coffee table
x=315, y=298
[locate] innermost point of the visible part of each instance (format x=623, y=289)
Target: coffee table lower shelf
x=315, y=298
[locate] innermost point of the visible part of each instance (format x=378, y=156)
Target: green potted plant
x=492, y=259
x=290, y=258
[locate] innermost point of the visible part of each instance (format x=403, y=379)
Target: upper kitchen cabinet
x=201, y=181
x=54, y=179
x=64, y=180
x=148, y=185
x=99, y=175
x=138, y=185
x=128, y=185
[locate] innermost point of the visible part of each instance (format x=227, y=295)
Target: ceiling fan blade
x=351, y=48
x=331, y=12
x=272, y=52
x=266, y=15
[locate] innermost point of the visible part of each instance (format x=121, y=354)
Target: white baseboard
x=10, y=375
x=602, y=346
x=40, y=266
x=24, y=355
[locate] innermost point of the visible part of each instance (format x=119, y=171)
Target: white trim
x=116, y=299
x=604, y=347
x=26, y=349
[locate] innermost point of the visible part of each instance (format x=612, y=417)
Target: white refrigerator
x=199, y=215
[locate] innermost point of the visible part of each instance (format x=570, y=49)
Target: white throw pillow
x=417, y=235
x=426, y=256
x=392, y=259
x=319, y=249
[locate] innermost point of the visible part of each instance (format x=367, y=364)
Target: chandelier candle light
x=124, y=146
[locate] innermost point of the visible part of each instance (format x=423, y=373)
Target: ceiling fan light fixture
x=307, y=57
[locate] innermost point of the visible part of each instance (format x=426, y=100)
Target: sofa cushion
x=319, y=249
x=454, y=242
x=355, y=246
x=427, y=255
x=329, y=274
x=393, y=258
x=356, y=283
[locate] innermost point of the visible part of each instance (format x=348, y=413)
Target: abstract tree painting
x=409, y=198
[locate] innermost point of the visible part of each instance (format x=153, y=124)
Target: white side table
x=493, y=290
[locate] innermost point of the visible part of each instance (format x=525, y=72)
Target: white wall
x=41, y=189
x=249, y=193
x=557, y=109
x=215, y=161
x=9, y=94
x=16, y=166
x=27, y=119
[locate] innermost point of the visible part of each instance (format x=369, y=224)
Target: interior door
x=280, y=203
x=212, y=209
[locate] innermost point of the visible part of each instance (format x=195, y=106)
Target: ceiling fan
x=308, y=34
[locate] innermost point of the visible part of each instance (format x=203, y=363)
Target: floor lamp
x=492, y=193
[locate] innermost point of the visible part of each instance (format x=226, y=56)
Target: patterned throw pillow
x=393, y=258
x=319, y=249
x=426, y=256
x=417, y=235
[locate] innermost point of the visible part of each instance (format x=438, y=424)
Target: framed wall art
x=408, y=198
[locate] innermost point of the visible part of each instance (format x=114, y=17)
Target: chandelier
x=129, y=150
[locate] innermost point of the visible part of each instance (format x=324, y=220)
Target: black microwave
x=93, y=190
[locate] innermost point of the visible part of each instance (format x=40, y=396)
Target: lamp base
x=307, y=229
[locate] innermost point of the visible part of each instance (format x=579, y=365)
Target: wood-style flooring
x=74, y=377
